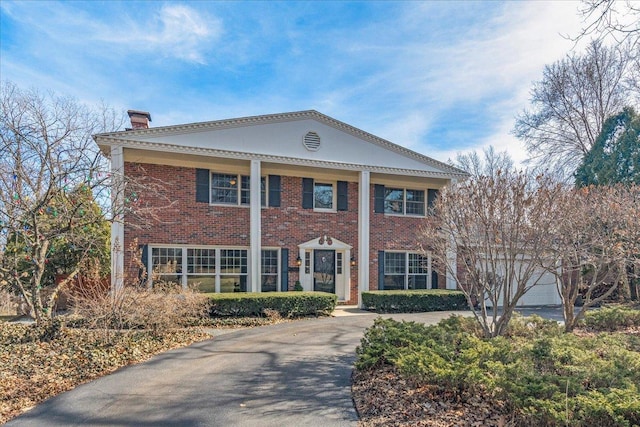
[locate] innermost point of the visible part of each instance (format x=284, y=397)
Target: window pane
x=224, y=188
x=202, y=283
x=418, y=264
x=233, y=270
x=394, y=200
x=166, y=260
x=394, y=270
x=233, y=283
x=393, y=282
x=418, y=281
x=166, y=265
x=201, y=261
x=263, y=191
x=269, y=282
x=415, y=202
x=323, y=196
x=245, y=192
x=394, y=262
x=233, y=261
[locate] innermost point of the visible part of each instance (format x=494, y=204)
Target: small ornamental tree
x=594, y=245
x=498, y=226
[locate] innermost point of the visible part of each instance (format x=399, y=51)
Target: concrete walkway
x=291, y=374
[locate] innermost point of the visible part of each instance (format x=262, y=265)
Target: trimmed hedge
x=287, y=304
x=414, y=301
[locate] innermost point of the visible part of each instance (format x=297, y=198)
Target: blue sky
x=436, y=77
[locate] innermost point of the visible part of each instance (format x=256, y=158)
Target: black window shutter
x=202, y=185
x=343, y=199
x=381, y=270
x=378, y=194
x=143, y=274
x=307, y=193
x=274, y=191
x=284, y=270
x=431, y=198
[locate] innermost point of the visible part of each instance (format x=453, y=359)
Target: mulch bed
x=384, y=398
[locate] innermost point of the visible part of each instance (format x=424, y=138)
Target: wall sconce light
x=233, y=181
x=353, y=262
x=298, y=261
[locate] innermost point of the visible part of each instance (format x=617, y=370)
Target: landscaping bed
x=409, y=374
x=34, y=369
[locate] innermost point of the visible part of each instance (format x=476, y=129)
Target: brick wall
x=387, y=233
x=187, y=222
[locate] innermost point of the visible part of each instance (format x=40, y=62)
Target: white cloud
x=176, y=30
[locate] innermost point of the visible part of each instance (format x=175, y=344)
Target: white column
x=452, y=262
x=363, y=232
x=256, y=227
x=452, y=259
x=117, y=226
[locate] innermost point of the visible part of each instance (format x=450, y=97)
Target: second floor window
x=402, y=201
x=231, y=189
x=322, y=196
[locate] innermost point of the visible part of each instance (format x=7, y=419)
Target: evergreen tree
x=615, y=157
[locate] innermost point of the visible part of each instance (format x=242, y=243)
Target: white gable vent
x=311, y=141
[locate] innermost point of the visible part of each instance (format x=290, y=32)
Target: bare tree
x=490, y=163
x=571, y=103
x=593, y=245
x=619, y=19
x=499, y=226
x=48, y=165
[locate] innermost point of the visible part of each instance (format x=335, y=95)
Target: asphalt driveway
x=291, y=374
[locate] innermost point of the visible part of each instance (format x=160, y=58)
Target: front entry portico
x=326, y=267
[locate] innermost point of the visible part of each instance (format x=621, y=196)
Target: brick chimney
x=139, y=119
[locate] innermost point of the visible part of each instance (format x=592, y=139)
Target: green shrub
x=545, y=377
x=287, y=304
x=383, y=342
x=414, y=301
x=611, y=318
x=532, y=327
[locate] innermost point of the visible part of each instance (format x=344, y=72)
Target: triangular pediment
x=325, y=242
x=305, y=137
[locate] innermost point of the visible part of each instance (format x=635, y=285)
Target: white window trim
x=218, y=274
x=239, y=190
x=278, y=266
x=404, y=202
x=406, y=267
x=334, y=195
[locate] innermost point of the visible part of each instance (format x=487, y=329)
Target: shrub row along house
x=262, y=203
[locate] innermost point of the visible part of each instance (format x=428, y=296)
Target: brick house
x=338, y=208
